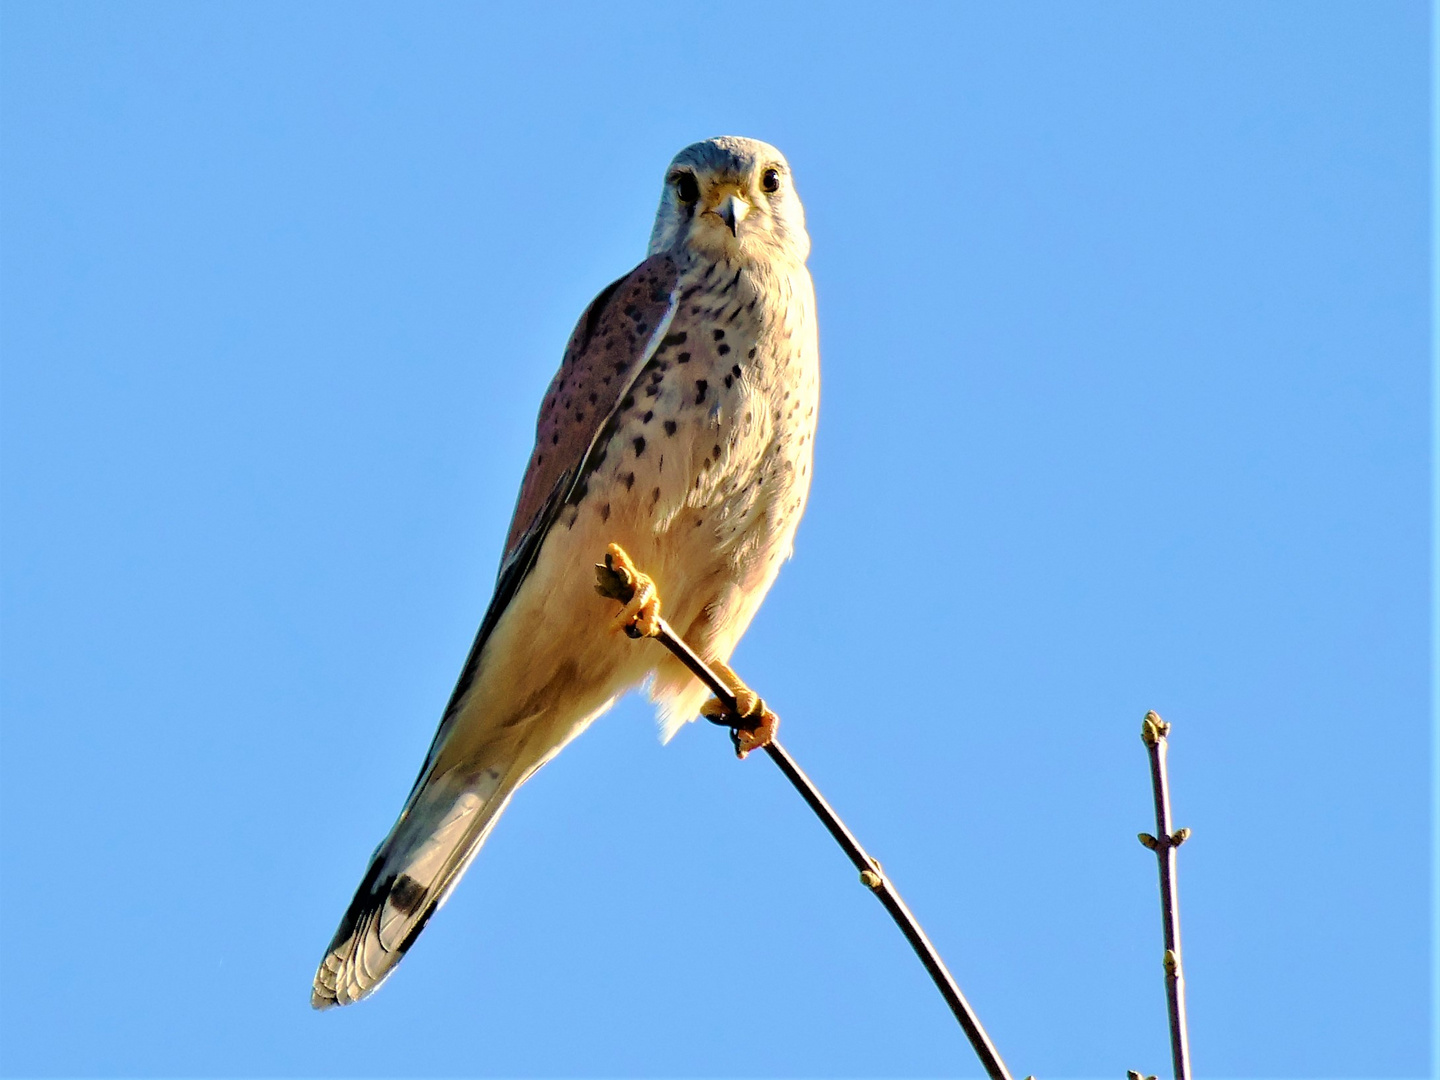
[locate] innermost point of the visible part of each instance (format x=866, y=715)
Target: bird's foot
x=618, y=578
x=752, y=726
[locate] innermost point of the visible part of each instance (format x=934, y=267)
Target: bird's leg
x=751, y=725
x=619, y=579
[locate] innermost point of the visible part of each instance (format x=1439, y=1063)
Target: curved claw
x=619, y=579
x=756, y=738
x=752, y=726
x=641, y=617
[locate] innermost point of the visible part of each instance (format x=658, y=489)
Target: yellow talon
x=641, y=617
x=756, y=738
x=752, y=725
x=619, y=579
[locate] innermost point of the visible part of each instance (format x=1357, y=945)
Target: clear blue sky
x=1124, y=323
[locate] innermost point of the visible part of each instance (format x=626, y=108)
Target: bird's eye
x=686, y=189
x=770, y=181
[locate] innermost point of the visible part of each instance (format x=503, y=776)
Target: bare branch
x=617, y=578
x=1154, y=733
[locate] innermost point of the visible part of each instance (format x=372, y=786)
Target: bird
x=679, y=426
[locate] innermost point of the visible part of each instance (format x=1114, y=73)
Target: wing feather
x=439, y=830
x=610, y=346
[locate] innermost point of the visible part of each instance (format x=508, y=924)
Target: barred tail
x=409, y=877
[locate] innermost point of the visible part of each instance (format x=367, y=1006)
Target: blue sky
x=1124, y=325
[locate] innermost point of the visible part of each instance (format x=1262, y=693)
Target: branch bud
x=1149, y=841
x=1179, y=837
x=1153, y=729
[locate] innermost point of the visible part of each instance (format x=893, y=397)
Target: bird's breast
x=707, y=466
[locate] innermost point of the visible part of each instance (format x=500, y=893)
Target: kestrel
x=681, y=426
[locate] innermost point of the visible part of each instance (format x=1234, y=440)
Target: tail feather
x=409, y=878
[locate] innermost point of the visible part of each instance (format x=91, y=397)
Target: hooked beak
x=732, y=211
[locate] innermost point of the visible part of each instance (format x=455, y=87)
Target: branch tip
x=1153, y=729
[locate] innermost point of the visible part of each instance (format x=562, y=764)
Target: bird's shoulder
x=601, y=360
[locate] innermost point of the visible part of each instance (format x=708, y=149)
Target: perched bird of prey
x=681, y=426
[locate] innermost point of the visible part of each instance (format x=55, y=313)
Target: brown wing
x=602, y=361
x=603, y=358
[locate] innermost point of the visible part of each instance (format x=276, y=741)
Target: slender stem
x=870, y=873
x=1154, y=732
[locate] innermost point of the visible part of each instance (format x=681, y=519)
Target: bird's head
x=731, y=196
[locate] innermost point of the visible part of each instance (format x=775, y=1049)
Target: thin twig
x=871, y=875
x=1154, y=732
